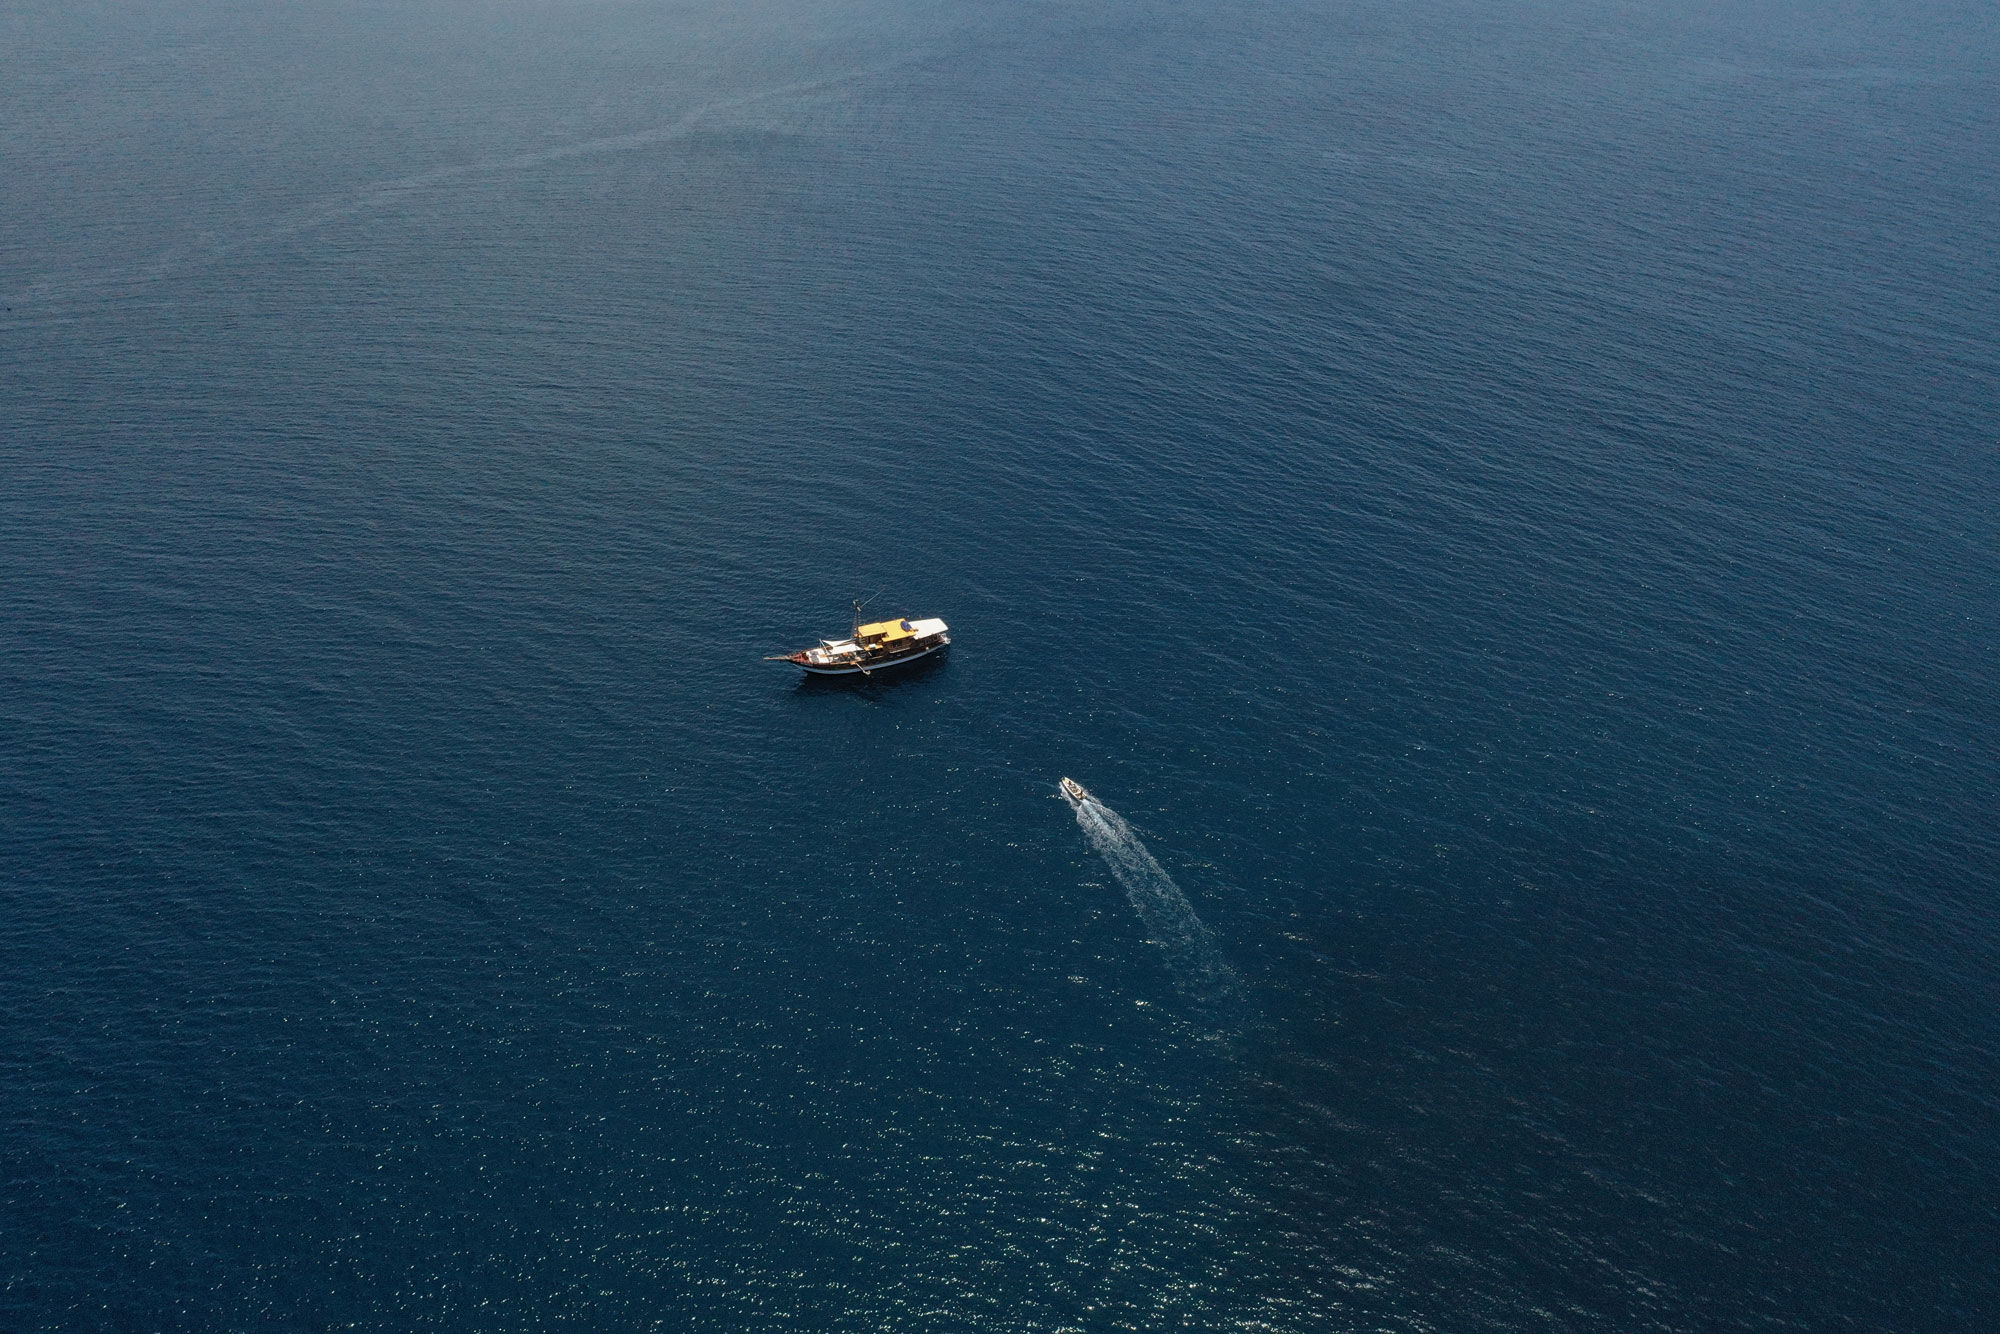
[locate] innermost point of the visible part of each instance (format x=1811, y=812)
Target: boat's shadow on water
x=874, y=685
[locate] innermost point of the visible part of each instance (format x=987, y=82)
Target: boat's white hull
x=889, y=666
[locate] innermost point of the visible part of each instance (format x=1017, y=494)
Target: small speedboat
x=871, y=648
x=1074, y=791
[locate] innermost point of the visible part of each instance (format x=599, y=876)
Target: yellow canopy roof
x=885, y=629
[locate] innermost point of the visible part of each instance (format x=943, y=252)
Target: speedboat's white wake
x=1170, y=921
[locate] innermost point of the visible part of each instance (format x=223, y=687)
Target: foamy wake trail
x=1197, y=964
x=368, y=198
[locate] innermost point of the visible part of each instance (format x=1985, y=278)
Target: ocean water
x=1499, y=499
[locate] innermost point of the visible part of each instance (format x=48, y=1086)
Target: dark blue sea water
x=1499, y=497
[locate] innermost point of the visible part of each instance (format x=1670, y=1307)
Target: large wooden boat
x=871, y=648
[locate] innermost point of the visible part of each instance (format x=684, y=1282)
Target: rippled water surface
x=1499, y=498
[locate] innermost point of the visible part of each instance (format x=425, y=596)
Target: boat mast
x=859, y=603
